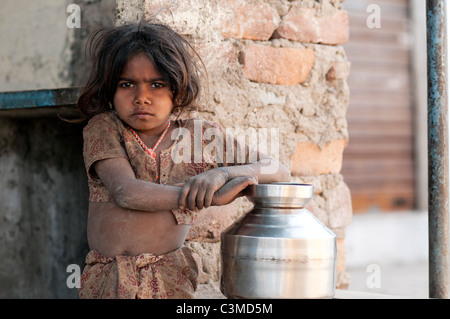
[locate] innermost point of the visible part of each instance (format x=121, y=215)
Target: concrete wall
x=35, y=35
x=43, y=190
x=43, y=207
x=39, y=50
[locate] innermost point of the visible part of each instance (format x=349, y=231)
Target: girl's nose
x=142, y=96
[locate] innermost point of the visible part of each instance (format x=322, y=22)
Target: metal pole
x=438, y=173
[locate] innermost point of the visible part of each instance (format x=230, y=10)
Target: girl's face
x=143, y=98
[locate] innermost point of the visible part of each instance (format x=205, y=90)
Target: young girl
x=142, y=200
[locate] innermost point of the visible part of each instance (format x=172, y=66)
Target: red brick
x=303, y=25
x=251, y=21
x=283, y=66
x=309, y=159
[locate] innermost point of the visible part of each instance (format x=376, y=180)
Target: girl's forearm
x=145, y=196
x=141, y=195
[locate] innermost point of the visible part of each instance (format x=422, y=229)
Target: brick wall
x=271, y=64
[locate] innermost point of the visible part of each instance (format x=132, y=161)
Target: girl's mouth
x=141, y=114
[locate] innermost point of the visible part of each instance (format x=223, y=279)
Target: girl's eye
x=157, y=85
x=126, y=84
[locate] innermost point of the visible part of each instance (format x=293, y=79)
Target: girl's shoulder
x=105, y=119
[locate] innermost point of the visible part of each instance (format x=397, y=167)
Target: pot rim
x=280, y=194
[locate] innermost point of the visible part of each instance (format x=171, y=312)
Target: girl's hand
x=232, y=190
x=199, y=190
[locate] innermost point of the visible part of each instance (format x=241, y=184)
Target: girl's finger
x=191, y=198
x=183, y=194
x=243, y=182
x=209, y=197
x=200, y=198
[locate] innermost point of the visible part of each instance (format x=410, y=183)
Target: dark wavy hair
x=110, y=49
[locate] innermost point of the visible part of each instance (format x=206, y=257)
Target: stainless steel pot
x=278, y=249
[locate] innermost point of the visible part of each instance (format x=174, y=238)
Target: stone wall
x=271, y=64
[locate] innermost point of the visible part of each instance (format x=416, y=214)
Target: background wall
x=36, y=52
x=43, y=191
x=380, y=164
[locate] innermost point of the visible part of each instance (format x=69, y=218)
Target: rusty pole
x=438, y=168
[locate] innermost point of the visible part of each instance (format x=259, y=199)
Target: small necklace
x=150, y=151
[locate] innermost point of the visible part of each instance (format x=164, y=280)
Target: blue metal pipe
x=438, y=167
x=38, y=98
